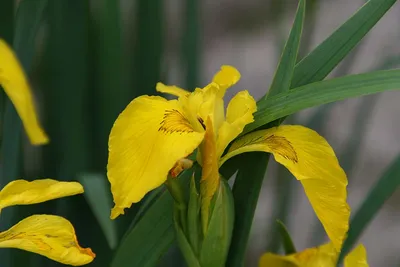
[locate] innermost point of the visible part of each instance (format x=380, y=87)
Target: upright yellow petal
x=21, y=192
x=226, y=77
x=356, y=258
x=50, y=236
x=16, y=86
x=146, y=141
x=309, y=157
x=171, y=89
x=239, y=113
x=322, y=256
x=210, y=176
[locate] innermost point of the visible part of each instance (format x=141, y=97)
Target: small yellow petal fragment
x=210, y=178
x=50, y=236
x=226, y=77
x=322, y=256
x=21, y=192
x=310, y=158
x=146, y=141
x=16, y=86
x=239, y=113
x=357, y=257
x=171, y=89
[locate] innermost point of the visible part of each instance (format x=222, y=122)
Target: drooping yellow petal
x=322, y=256
x=309, y=157
x=226, y=77
x=21, y=192
x=146, y=141
x=357, y=257
x=239, y=113
x=210, y=176
x=171, y=89
x=47, y=235
x=16, y=86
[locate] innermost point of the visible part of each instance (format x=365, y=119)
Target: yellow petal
x=324, y=255
x=239, y=113
x=146, y=141
x=210, y=176
x=309, y=157
x=356, y=258
x=47, y=235
x=21, y=192
x=16, y=86
x=226, y=77
x=171, y=89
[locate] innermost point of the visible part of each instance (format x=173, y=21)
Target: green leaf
x=288, y=244
x=378, y=195
x=193, y=217
x=323, y=59
x=28, y=17
x=284, y=72
x=248, y=183
x=98, y=196
x=324, y=92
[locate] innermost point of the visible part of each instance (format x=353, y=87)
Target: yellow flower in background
x=48, y=235
x=16, y=86
x=322, y=256
x=152, y=134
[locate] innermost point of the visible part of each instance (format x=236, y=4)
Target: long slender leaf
x=284, y=72
x=323, y=59
x=324, y=92
x=378, y=195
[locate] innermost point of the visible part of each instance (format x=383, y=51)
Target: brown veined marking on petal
x=202, y=123
x=278, y=144
x=174, y=122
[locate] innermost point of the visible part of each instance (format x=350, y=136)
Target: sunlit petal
x=146, y=141
x=16, y=86
x=239, y=113
x=225, y=78
x=21, y=192
x=47, y=235
x=357, y=257
x=309, y=157
x=171, y=89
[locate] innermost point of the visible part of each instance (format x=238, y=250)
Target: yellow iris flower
x=152, y=134
x=47, y=235
x=322, y=256
x=16, y=86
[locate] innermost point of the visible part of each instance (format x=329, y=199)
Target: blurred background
x=88, y=59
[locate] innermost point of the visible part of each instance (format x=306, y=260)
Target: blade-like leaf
x=323, y=59
x=287, y=241
x=98, y=196
x=284, y=72
x=323, y=92
x=378, y=195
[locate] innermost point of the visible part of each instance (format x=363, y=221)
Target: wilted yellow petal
x=47, y=235
x=309, y=157
x=322, y=256
x=146, y=141
x=225, y=78
x=210, y=176
x=239, y=113
x=16, y=86
x=21, y=192
x=171, y=89
x=356, y=258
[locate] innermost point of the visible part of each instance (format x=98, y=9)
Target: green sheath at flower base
x=217, y=240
